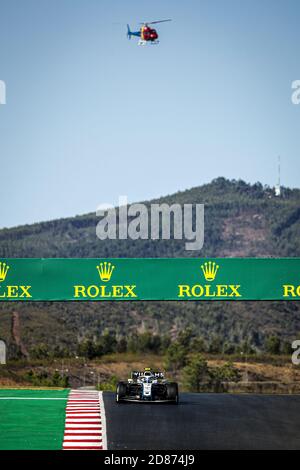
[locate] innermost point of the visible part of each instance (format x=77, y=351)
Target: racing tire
x=172, y=392
x=121, y=392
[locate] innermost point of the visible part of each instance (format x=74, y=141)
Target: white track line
x=83, y=436
x=82, y=420
x=82, y=445
x=82, y=408
x=31, y=398
x=73, y=432
x=103, y=417
x=76, y=426
x=85, y=424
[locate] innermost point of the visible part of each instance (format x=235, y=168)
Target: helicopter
x=146, y=33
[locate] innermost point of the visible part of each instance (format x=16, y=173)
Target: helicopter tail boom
x=132, y=33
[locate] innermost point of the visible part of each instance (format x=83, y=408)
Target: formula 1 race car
x=147, y=386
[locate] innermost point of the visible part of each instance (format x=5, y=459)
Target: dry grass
x=120, y=366
x=283, y=373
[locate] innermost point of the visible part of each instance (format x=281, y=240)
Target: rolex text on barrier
x=183, y=279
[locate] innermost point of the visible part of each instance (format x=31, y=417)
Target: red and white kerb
x=85, y=426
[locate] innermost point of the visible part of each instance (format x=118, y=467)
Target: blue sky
x=91, y=116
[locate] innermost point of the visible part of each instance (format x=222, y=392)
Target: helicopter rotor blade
x=160, y=21
x=155, y=22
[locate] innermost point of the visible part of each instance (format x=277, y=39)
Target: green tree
x=56, y=379
x=198, y=345
x=185, y=337
x=245, y=348
x=132, y=344
x=121, y=345
x=87, y=349
x=108, y=343
x=195, y=373
x=286, y=348
x=215, y=345
x=229, y=348
x=176, y=357
x=165, y=343
x=224, y=373
x=59, y=381
x=40, y=351
x=273, y=345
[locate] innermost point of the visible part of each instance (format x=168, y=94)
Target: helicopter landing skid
x=142, y=42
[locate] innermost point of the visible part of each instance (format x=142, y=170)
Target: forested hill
x=240, y=220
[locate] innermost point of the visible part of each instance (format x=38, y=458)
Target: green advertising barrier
x=33, y=279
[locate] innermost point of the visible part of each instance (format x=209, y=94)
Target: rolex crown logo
x=3, y=271
x=105, y=271
x=209, y=269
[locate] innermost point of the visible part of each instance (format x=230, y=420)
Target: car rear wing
x=137, y=374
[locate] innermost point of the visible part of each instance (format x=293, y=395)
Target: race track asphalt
x=205, y=421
